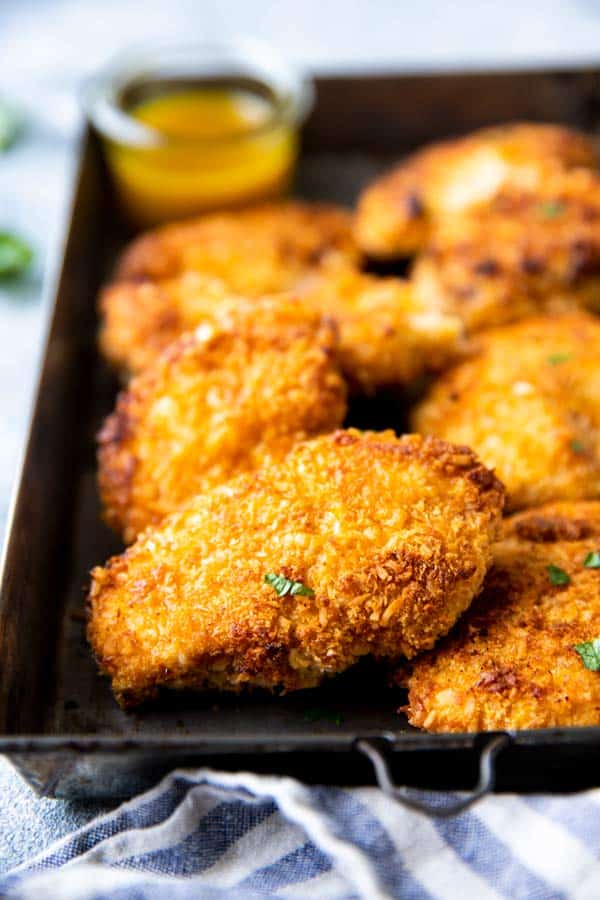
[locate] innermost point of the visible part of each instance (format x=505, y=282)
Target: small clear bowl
x=161, y=176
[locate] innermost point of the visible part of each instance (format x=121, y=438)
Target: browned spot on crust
x=484, y=478
x=547, y=529
x=584, y=259
x=488, y=267
x=414, y=206
x=498, y=680
x=531, y=265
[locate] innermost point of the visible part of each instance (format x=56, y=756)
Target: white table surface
x=46, y=48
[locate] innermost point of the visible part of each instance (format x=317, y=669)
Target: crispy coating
x=529, y=405
x=261, y=250
x=393, y=536
x=138, y=320
x=221, y=400
x=396, y=213
x=510, y=663
x=523, y=253
x=387, y=335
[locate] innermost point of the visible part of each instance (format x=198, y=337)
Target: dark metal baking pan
x=58, y=721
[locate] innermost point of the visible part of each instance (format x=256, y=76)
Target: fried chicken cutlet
x=525, y=252
x=372, y=544
x=221, y=400
x=260, y=250
x=511, y=661
x=396, y=213
x=138, y=320
x=387, y=336
x=529, y=404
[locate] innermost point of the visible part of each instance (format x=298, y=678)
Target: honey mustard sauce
x=212, y=146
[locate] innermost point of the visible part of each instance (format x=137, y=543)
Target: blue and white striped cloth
x=203, y=834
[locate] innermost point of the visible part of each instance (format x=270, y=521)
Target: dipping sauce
x=210, y=146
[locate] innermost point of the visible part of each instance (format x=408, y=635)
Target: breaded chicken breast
x=512, y=662
x=221, y=400
x=387, y=336
x=523, y=253
x=397, y=212
x=261, y=250
x=138, y=320
x=529, y=405
x=354, y=543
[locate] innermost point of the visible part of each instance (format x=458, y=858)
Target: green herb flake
x=551, y=209
x=589, y=652
x=284, y=586
x=316, y=714
x=557, y=575
x=10, y=125
x=592, y=560
x=577, y=446
x=555, y=359
x=15, y=255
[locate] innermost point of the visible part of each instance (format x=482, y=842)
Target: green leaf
x=592, y=560
x=558, y=575
x=589, y=652
x=552, y=208
x=577, y=446
x=555, y=359
x=15, y=255
x=284, y=586
x=10, y=125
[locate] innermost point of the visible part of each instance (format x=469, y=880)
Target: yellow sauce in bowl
x=212, y=146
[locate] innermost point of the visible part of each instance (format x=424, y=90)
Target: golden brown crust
x=260, y=250
x=510, y=663
x=397, y=212
x=140, y=319
x=388, y=337
x=528, y=403
x=523, y=253
x=393, y=535
x=219, y=401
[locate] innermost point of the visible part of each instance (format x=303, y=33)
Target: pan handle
x=484, y=785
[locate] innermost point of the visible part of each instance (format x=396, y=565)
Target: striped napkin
x=205, y=834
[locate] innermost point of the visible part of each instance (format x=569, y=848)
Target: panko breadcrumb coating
x=388, y=337
x=138, y=320
x=396, y=213
x=390, y=538
x=529, y=405
x=511, y=661
x=523, y=253
x=261, y=250
x=221, y=400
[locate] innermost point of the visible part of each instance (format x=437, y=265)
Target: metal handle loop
x=484, y=784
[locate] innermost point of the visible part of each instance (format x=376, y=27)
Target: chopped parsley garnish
x=589, y=652
x=15, y=255
x=314, y=715
x=557, y=575
x=555, y=359
x=592, y=560
x=10, y=125
x=577, y=446
x=284, y=586
x=552, y=208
